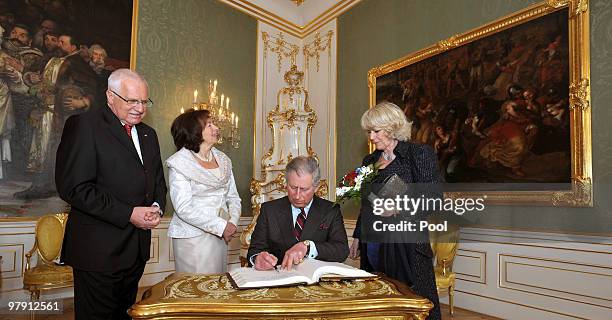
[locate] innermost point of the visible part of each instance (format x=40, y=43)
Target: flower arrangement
x=349, y=186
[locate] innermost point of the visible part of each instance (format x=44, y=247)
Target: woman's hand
x=354, y=249
x=229, y=231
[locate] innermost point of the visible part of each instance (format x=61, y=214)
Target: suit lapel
x=114, y=126
x=313, y=219
x=286, y=222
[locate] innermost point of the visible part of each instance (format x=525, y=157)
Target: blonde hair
x=388, y=117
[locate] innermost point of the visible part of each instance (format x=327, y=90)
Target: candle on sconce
x=236, y=122
x=215, y=86
x=195, y=96
x=182, y=110
x=227, y=103
x=232, y=118
x=222, y=98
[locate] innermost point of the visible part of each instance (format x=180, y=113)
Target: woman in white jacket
x=204, y=196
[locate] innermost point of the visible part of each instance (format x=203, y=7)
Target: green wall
x=375, y=32
x=181, y=45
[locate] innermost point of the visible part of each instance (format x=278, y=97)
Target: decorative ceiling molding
x=285, y=16
x=298, y=2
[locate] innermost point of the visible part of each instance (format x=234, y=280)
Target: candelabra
x=221, y=114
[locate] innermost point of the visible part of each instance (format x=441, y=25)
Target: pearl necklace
x=207, y=159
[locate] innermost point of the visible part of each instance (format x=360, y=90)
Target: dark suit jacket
x=100, y=175
x=324, y=226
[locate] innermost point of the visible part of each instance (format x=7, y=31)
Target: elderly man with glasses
x=109, y=170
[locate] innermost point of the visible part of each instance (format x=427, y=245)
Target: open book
x=308, y=272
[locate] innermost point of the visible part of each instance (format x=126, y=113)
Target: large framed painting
x=506, y=106
x=55, y=60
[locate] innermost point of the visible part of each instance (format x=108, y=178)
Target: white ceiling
x=289, y=10
x=298, y=20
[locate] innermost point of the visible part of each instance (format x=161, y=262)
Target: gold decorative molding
x=298, y=2
x=580, y=196
x=318, y=45
x=579, y=7
x=281, y=47
x=580, y=190
x=447, y=44
x=579, y=94
x=557, y=3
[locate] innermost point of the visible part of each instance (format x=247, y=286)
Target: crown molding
x=300, y=30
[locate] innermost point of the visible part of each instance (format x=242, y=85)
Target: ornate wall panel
x=315, y=55
x=319, y=52
x=534, y=275
x=276, y=52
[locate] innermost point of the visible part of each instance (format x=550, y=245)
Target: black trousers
x=106, y=295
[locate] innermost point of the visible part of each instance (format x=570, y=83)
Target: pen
x=276, y=268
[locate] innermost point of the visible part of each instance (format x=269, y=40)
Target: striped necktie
x=128, y=129
x=299, y=224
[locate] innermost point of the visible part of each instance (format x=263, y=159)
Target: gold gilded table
x=189, y=296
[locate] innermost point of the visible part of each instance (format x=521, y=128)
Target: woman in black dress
x=410, y=261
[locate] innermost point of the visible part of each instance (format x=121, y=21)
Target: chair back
x=444, y=245
x=50, y=236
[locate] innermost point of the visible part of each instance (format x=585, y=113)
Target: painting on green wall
x=496, y=103
x=56, y=57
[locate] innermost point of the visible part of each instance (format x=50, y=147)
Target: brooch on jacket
x=323, y=226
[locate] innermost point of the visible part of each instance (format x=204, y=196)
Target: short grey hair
x=120, y=75
x=99, y=48
x=388, y=117
x=304, y=165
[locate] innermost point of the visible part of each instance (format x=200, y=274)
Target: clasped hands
x=145, y=218
x=295, y=255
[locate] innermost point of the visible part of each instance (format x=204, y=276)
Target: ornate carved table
x=188, y=296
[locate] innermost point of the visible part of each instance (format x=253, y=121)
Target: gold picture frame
x=579, y=191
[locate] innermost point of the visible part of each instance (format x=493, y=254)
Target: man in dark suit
x=110, y=171
x=299, y=226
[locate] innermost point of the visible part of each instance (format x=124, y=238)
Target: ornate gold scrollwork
x=314, y=49
x=580, y=196
x=557, y=3
x=322, y=189
x=449, y=43
x=281, y=47
x=581, y=6
x=576, y=7
x=579, y=95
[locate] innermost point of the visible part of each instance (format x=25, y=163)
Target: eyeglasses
x=135, y=102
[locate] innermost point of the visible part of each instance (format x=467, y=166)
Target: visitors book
x=308, y=272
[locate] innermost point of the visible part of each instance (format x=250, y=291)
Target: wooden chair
x=47, y=274
x=444, y=245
